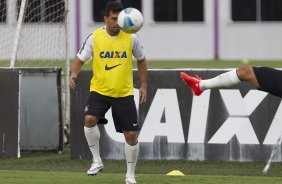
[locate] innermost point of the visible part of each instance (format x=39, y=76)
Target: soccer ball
x=130, y=20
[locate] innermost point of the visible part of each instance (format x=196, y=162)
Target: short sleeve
x=86, y=50
x=137, y=48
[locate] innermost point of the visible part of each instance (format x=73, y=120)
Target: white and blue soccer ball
x=130, y=20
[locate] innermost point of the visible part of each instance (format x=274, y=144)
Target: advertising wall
x=231, y=124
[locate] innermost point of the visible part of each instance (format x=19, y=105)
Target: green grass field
x=35, y=177
x=163, y=64
x=50, y=167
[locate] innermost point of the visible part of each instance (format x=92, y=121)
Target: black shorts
x=269, y=79
x=123, y=110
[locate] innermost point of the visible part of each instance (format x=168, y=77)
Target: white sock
x=223, y=80
x=131, y=155
x=93, y=136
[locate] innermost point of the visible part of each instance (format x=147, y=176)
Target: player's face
x=112, y=23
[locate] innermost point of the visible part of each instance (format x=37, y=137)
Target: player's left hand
x=72, y=81
x=143, y=94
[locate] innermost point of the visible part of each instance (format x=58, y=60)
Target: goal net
x=40, y=40
x=33, y=33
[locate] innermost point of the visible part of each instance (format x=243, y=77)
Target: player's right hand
x=72, y=81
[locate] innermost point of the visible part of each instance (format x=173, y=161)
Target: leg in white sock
x=93, y=136
x=223, y=80
x=131, y=155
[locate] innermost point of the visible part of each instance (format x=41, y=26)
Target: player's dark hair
x=114, y=7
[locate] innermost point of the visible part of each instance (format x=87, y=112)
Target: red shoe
x=192, y=82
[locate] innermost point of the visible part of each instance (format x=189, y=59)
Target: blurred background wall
x=194, y=29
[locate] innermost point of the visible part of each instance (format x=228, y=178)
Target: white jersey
x=86, y=50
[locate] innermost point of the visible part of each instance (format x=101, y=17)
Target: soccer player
x=112, y=86
x=263, y=78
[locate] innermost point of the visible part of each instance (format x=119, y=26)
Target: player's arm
x=138, y=53
x=75, y=69
x=142, y=71
x=85, y=52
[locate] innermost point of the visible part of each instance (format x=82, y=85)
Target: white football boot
x=95, y=169
x=130, y=180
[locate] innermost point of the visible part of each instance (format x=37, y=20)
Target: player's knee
x=90, y=121
x=245, y=73
x=130, y=137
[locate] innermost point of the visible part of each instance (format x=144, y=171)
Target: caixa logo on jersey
x=113, y=54
x=231, y=115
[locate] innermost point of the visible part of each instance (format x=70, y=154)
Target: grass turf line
x=159, y=64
